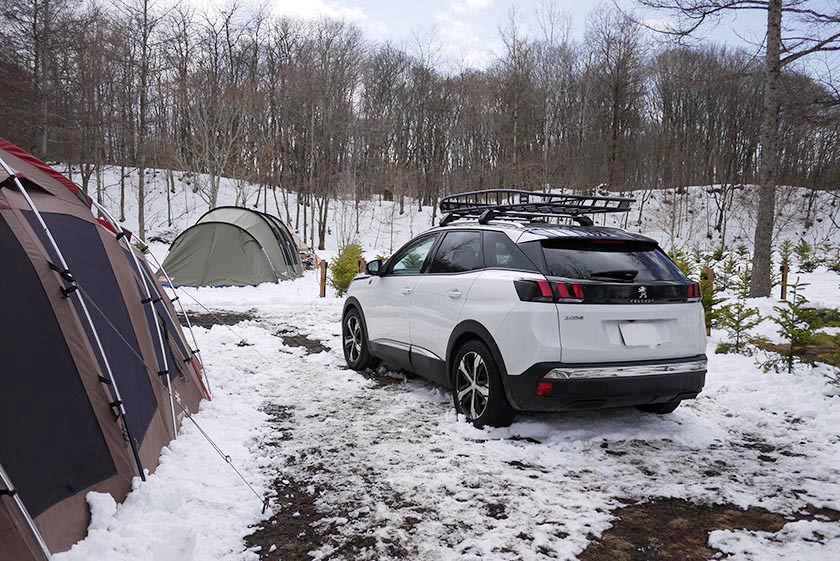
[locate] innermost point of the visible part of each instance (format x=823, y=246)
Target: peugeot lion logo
x=643, y=292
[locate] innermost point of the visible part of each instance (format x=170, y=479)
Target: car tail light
x=544, y=291
x=544, y=389
x=534, y=290
x=695, y=294
x=569, y=292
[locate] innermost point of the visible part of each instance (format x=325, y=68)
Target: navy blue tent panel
x=50, y=440
x=82, y=248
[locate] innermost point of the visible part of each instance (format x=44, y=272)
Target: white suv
x=516, y=315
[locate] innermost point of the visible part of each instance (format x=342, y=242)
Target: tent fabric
x=29, y=167
x=60, y=436
x=232, y=246
x=288, y=243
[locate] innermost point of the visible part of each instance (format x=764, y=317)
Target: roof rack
x=517, y=204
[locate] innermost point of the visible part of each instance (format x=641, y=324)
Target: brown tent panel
x=91, y=350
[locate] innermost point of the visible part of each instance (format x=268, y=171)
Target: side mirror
x=374, y=267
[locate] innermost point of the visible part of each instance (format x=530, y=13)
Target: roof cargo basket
x=516, y=204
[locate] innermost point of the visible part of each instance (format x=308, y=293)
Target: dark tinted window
x=608, y=260
x=459, y=252
x=500, y=251
x=410, y=260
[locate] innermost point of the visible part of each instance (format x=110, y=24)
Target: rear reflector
x=544, y=389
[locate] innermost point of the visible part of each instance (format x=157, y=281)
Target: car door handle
x=406, y=291
x=454, y=294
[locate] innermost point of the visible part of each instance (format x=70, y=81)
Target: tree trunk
x=141, y=200
x=122, y=193
x=760, y=283
x=169, y=190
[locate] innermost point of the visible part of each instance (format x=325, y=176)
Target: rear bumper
x=594, y=386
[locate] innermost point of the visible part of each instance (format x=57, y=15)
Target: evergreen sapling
x=797, y=325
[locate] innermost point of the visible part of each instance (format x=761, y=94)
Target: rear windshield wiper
x=626, y=275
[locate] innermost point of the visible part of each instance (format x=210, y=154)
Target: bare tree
x=816, y=29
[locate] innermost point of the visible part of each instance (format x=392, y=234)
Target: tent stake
x=7, y=483
x=117, y=397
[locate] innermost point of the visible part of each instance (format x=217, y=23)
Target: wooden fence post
x=323, y=267
x=707, y=284
x=785, y=269
x=362, y=265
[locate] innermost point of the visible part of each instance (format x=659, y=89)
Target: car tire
x=477, y=389
x=354, y=341
x=661, y=408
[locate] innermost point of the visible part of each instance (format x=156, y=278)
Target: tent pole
x=116, y=391
x=196, y=351
x=7, y=484
x=150, y=302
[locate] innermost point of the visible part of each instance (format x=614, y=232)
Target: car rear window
x=500, y=251
x=459, y=252
x=609, y=261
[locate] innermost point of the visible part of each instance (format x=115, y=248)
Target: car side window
x=458, y=252
x=412, y=257
x=501, y=251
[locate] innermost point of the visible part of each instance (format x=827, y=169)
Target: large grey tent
x=233, y=246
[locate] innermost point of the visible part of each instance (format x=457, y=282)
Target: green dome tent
x=233, y=246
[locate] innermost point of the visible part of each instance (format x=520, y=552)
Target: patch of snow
x=804, y=540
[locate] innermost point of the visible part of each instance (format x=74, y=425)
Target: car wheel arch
x=471, y=329
x=353, y=303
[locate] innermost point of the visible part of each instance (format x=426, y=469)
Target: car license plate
x=637, y=334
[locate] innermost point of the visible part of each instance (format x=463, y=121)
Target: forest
x=316, y=108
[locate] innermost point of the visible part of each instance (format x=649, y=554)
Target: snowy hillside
x=376, y=465
x=678, y=221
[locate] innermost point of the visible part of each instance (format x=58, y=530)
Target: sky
x=468, y=30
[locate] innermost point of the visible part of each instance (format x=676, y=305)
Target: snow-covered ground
x=388, y=460
x=394, y=463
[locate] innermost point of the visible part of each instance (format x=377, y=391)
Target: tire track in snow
x=394, y=474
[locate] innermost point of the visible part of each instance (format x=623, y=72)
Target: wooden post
x=707, y=284
x=785, y=269
x=362, y=265
x=323, y=267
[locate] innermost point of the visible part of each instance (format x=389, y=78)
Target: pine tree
x=738, y=319
x=797, y=324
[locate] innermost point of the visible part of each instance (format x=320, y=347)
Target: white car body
x=414, y=321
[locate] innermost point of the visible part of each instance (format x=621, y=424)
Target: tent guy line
x=69, y=285
x=144, y=248
x=66, y=275
x=148, y=301
x=103, y=436
x=184, y=410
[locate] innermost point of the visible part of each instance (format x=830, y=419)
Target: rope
x=185, y=411
x=144, y=249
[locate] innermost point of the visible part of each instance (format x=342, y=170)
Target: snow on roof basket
x=517, y=204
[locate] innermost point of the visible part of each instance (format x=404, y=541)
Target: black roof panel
x=585, y=232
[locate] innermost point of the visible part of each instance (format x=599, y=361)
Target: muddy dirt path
x=376, y=466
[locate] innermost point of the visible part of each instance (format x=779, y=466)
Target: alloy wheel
x=353, y=338
x=472, y=385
